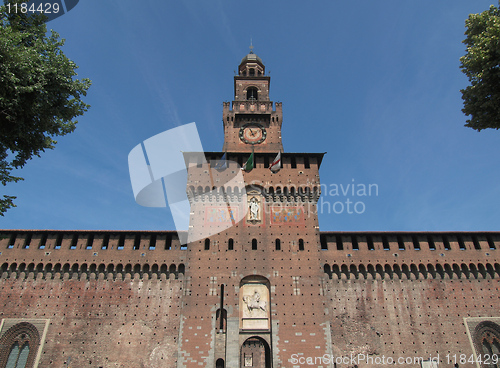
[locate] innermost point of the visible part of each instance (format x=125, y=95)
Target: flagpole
x=253, y=163
x=210, y=173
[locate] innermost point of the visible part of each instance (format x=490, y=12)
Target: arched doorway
x=219, y=363
x=255, y=352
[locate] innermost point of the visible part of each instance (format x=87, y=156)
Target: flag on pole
x=248, y=166
x=276, y=164
x=221, y=164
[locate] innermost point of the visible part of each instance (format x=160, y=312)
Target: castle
x=266, y=290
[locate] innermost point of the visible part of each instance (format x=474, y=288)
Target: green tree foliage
x=39, y=96
x=481, y=64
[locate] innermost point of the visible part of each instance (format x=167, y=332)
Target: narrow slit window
x=416, y=244
x=27, y=241
x=306, y=163
x=105, y=241
x=58, y=241
x=491, y=244
x=324, y=243
x=385, y=243
x=121, y=242
x=432, y=245
x=446, y=243
x=74, y=241
x=340, y=244
x=152, y=242
x=355, y=245
x=370, y=244
x=137, y=242
x=43, y=241
x=401, y=244
x=90, y=241
x=168, y=242
x=12, y=240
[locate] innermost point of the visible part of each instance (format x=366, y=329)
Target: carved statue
x=254, y=209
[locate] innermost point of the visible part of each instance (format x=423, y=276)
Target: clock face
x=252, y=133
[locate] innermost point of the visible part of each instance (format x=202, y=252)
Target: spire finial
x=251, y=46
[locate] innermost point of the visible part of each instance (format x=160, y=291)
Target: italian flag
x=248, y=166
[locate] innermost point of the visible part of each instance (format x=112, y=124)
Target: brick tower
x=261, y=265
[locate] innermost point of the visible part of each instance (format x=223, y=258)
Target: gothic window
x=19, y=345
x=486, y=340
x=252, y=93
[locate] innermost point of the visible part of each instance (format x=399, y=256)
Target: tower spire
x=251, y=46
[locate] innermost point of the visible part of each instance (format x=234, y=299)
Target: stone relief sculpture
x=254, y=302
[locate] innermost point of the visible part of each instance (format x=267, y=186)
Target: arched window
x=207, y=244
x=251, y=72
x=230, y=244
x=254, y=244
x=278, y=244
x=252, y=93
x=301, y=244
x=18, y=346
x=219, y=363
x=487, y=342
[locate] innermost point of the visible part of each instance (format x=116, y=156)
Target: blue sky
x=375, y=84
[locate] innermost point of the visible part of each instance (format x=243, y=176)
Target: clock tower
x=252, y=124
x=253, y=293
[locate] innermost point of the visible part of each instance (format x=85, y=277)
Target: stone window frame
x=477, y=329
x=21, y=331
